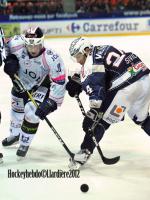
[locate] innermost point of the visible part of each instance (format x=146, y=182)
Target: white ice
x=129, y=179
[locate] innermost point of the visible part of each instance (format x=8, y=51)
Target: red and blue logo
x=73, y=27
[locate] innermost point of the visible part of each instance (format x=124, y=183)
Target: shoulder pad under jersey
x=51, y=56
x=99, y=53
x=15, y=43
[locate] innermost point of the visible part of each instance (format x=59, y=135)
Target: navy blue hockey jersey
x=113, y=70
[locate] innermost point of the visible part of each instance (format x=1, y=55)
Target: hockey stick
x=46, y=119
x=107, y=161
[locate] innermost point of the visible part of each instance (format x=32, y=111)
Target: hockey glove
x=11, y=65
x=46, y=107
x=16, y=85
x=74, y=86
x=91, y=118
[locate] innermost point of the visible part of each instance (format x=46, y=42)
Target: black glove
x=11, y=65
x=46, y=107
x=74, y=86
x=92, y=116
x=16, y=86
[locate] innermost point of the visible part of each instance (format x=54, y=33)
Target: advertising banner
x=93, y=27
x=11, y=29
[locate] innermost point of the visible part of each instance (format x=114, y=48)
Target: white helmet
x=34, y=36
x=78, y=46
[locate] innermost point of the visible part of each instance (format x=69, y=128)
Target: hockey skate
x=80, y=159
x=22, y=151
x=1, y=158
x=10, y=140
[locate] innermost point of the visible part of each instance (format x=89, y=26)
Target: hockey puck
x=84, y=188
x=1, y=155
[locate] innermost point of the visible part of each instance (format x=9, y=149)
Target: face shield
x=33, y=44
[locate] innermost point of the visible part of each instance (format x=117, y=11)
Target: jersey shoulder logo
x=98, y=56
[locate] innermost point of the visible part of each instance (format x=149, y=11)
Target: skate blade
x=12, y=145
x=74, y=166
x=19, y=158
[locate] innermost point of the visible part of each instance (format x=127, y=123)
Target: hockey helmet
x=34, y=36
x=79, y=45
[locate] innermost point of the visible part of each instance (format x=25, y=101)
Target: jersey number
x=89, y=90
x=118, y=59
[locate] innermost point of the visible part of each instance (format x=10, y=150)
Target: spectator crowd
x=108, y=6
x=26, y=7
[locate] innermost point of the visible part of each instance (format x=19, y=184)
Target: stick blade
x=110, y=161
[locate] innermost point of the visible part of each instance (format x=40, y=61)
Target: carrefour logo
x=73, y=27
x=108, y=26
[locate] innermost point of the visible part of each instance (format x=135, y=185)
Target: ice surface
x=129, y=179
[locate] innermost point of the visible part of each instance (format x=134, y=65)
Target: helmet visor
x=33, y=41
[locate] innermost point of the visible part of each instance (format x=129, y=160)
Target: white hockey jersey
x=33, y=71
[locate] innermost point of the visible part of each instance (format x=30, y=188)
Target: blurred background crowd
x=108, y=6
x=26, y=7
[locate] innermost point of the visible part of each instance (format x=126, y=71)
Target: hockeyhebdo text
x=44, y=173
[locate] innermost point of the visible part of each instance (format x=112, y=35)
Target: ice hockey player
x=42, y=72
x=116, y=83
x=2, y=56
x=1, y=155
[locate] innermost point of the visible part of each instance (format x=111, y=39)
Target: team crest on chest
x=27, y=63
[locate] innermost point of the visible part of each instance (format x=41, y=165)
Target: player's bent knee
x=30, y=113
x=146, y=125
x=134, y=119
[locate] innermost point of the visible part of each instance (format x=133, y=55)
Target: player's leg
x=87, y=146
x=17, y=113
x=98, y=133
x=141, y=117
x=30, y=122
x=139, y=111
x=114, y=107
x=1, y=155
